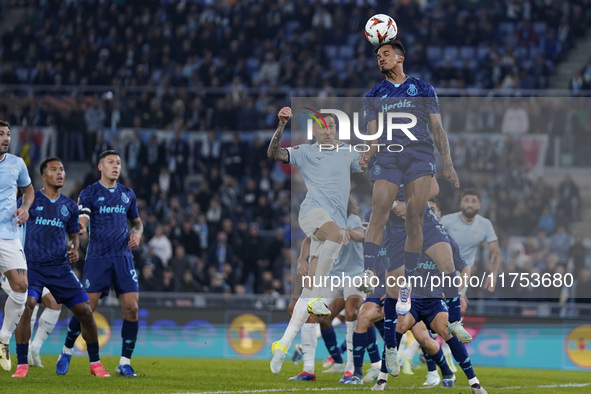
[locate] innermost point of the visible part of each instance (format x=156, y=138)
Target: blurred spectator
x=161, y=245
x=515, y=120
x=188, y=283
x=169, y=283
x=560, y=243
x=220, y=253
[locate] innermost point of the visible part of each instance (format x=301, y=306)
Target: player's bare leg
x=383, y=196
x=22, y=335
x=442, y=255
x=458, y=350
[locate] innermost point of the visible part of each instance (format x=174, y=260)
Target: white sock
x=318, y=331
x=474, y=380
x=67, y=350
x=299, y=317
x=13, y=310
x=47, y=322
x=382, y=376
x=411, y=350
x=445, y=348
x=309, y=341
x=377, y=364
x=329, y=252
x=34, y=318
x=124, y=361
x=349, y=338
x=402, y=344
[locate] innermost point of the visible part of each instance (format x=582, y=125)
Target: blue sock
x=22, y=352
x=454, y=306
x=398, y=339
x=390, y=318
x=431, y=366
x=372, y=345
x=129, y=331
x=383, y=367
x=449, y=290
x=343, y=346
x=411, y=260
x=370, y=253
x=330, y=340
x=439, y=358
x=93, y=352
x=359, y=344
x=73, y=332
x=461, y=355
x=380, y=327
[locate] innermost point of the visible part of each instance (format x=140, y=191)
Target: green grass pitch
x=195, y=375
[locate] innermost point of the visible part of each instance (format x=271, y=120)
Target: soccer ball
x=380, y=28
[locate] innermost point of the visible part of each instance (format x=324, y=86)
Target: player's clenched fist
x=284, y=114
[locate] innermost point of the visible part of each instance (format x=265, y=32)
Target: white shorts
x=12, y=255
x=310, y=223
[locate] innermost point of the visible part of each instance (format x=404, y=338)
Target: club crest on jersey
x=412, y=90
x=65, y=211
x=124, y=198
x=87, y=284
x=377, y=170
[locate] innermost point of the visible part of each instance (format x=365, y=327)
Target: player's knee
x=20, y=286
x=19, y=297
x=30, y=304
x=131, y=312
x=335, y=235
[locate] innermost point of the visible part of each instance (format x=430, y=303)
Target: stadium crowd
x=218, y=213
x=225, y=65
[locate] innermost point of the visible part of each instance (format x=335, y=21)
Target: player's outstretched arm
x=275, y=151
x=137, y=229
x=22, y=212
x=442, y=143
x=495, y=259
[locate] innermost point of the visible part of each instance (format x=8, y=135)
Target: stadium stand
x=220, y=207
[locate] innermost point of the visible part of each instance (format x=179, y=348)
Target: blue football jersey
x=44, y=234
x=413, y=96
x=108, y=211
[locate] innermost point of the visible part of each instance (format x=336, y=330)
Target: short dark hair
x=395, y=44
x=107, y=153
x=470, y=192
x=4, y=123
x=436, y=202
x=45, y=162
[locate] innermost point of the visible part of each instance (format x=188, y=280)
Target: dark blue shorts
x=414, y=162
x=395, y=239
x=118, y=271
x=61, y=282
x=426, y=309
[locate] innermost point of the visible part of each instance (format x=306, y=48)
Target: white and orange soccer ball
x=380, y=28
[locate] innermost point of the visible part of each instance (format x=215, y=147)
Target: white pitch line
x=543, y=386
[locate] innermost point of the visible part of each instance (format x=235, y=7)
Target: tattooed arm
x=440, y=137
x=275, y=151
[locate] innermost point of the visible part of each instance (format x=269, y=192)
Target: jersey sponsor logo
x=400, y=104
x=319, y=157
x=100, y=199
x=115, y=209
x=39, y=208
x=55, y=222
x=427, y=265
x=65, y=211
x=412, y=90
x=124, y=198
